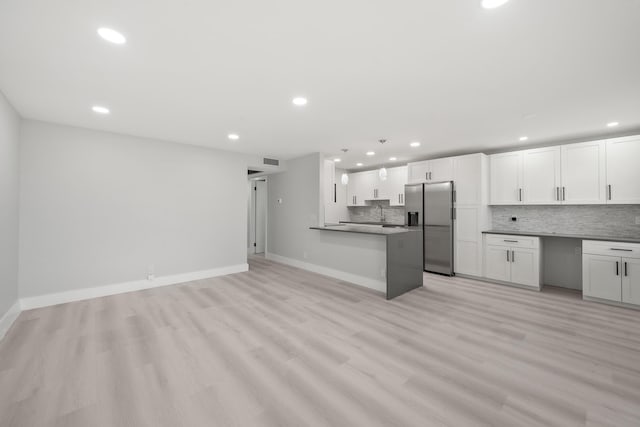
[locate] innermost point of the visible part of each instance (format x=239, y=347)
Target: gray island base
x=404, y=261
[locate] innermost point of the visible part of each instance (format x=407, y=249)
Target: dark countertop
x=373, y=223
x=363, y=229
x=566, y=236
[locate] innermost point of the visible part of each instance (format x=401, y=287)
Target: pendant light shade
x=344, y=179
x=383, y=173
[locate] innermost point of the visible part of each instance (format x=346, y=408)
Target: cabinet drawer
x=617, y=249
x=513, y=241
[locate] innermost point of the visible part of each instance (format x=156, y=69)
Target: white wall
x=99, y=208
x=9, y=180
x=358, y=258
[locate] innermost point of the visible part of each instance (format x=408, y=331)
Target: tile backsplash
x=596, y=220
x=392, y=214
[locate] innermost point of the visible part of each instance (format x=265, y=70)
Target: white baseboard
x=28, y=303
x=377, y=285
x=8, y=318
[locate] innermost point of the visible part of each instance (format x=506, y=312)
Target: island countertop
x=566, y=236
x=364, y=229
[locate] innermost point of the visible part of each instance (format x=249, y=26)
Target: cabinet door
x=441, y=170
x=329, y=181
x=467, y=178
x=525, y=267
x=506, y=178
x=417, y=172
x=369, y=185
x=468, y=241
x=623, y=173
x=631, y=280
x=584, y=179
x=601, y=277
x=497, y=266
x=541, y=176
x=393, y=187
x=355, y=189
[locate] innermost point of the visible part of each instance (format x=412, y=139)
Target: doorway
x=258, y=216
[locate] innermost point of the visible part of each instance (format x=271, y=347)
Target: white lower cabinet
x=512, y=259
x=611, y=271
x=631, y=281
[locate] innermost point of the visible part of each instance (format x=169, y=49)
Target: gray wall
x=9, y=180
x=599, y=220
x=289, y=235
x=99, y=208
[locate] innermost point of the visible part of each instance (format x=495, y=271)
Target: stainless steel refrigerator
x=430, y=206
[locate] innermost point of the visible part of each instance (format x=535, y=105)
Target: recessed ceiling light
x=524, y=138
x=337, y=160
x=612, y=124
x=100, y=110
x=392, y=159
x=415, y=144
x=111, y=36
x=492, y=4
x=233, y=136
x=359, y=164
x=371, y=153
x=299, y=101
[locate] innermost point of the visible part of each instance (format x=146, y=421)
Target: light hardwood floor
x=282, y=346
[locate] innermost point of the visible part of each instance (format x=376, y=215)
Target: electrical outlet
x=151, y=272
x=638, y=220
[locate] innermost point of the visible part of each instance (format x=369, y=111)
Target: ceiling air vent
x=272, y=162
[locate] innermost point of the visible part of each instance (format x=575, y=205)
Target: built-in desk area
x=602, y=268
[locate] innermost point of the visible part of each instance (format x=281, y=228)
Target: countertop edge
x=564, y=236
x=369, y=232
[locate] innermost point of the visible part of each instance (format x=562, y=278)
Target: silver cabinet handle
x=513, y=256
x=426, y=176
x=626, y=272
x=520, y=194
x=618, y=249
x=558, y=193
x=508, y=255
x=511, y=241
x=617, y=268
x=609, y=188
x=563, y=194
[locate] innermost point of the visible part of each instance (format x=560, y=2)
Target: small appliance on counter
x=430, y=206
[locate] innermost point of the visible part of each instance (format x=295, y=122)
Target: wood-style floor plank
x=279, y=346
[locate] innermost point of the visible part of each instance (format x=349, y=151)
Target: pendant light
x=382, y=173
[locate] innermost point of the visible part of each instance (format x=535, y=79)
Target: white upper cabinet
x=623, y=172
x=431, y=170
x=440, y=170
x=584, y=173
x=506, y=178
x=468, y=179
x=418, y=172
x=356, y=189
x=596, y=172
x=364, y=186
x=541, y=176
x=393, y=187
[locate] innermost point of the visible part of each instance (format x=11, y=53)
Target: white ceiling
x=447, y=73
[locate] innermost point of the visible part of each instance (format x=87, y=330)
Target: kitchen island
x=403, y=261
